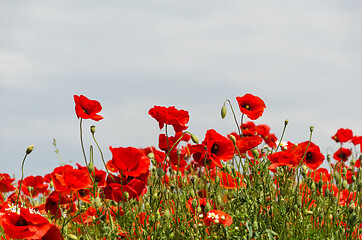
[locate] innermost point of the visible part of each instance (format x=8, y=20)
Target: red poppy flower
x=321, y=173
x=99, y=176
x=6, y=183
x=165, y=143
x=271, y=140
x=252, y=106
x=25, y=225
x=33, y=186
x=53, y=234
x=227, y=181
x=313, y=157
x=342, y=154
x=343, y=135
x=218, y=217
x=67, y=179
x=213, y=149
x=199, y=202
x=134, y=186
x=262, y=130
x=131, y=161
x=248, y=129
x=170, y=116
x=247, y=143
x=53, y=202
x=290, y=157
x=87, y=109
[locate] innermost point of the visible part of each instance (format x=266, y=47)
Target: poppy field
x=247, y=184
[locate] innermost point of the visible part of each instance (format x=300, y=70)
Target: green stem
x=81, y=142
x=236, y=121
x=21, y=181
x=281, y=137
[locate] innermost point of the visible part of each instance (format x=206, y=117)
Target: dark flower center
x=342, y=156
x=21, y=222
x=214, y=148
x=308, y=156
x=247, y=106
x=82, y=192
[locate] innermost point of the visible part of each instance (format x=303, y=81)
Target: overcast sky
x=303, y=58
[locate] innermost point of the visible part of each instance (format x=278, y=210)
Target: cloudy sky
x=303, y=58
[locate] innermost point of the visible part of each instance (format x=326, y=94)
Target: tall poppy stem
x=81, y=142
x=236, y=121
x=28, y=151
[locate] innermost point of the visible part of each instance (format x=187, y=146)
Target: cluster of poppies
x=127, y=173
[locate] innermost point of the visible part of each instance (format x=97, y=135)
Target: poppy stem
x=236, y=121
x=21, y=181
x=281, y=137
x=100, y=150
x=81, y=142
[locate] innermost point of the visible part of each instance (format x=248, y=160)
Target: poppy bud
x=344, y=184
x=171, y=235
x=90, y=167
x=199, y=209
x=217, y=179
x=320, y=184
x=72, y=236
x=223, y=112
x=321, y=216
x=232, y=138
x=255, y=152
x=147, y=206
x=296, y=208
x=228, y=169
x=93, y=129
x=97, y=202
x=207, y=207
x=126, y=195
x=194, y=139
x=151, y=155
x=311, y=128
x=344, y=171
x=359, y=186
x=353, y=178
x=337, y=177
x=351, y=207
x=313, y=186
x=328, y=157
x=307, y=212
x=167, y=213
x=29, y=149
x=353, y=219
x=352, y=162
x=326, y=193
x=30, y=188
x=194, y=203
x=160, y=172
x=255, y=226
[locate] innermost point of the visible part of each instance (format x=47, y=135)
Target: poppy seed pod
x=29, y=149
x=93, y=129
